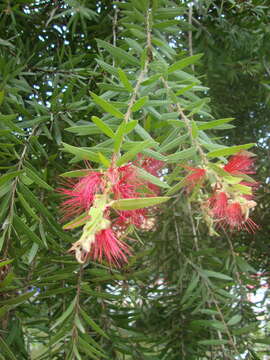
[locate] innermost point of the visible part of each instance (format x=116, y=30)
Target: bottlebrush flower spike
x=124, y=182
x=104, y=245
x=197, y=175
x=108, y=246
x=80, y=194
x=235, y=215
x=218, y=204
x=241, y=163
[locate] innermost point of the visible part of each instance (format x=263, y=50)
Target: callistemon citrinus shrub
x=114, y=85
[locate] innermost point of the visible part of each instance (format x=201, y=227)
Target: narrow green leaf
x=139, y=103
x=243, y=189
x=130, y=126
x=151, y=79
x=151, y=178
x=8, y=120
x=102, y=126
x=194, y=129
x=82, y=130
x=181, y=155
x=165, y=24
x=144, y=134
x=134, y=151
x=229, y=150
x=104, y=160
x=21, y=227
x=8, y=176
x=32, y=253
x=93, y=324
x=81, y=153
x=77, y=222
x=169, y=12
x=214, y=123
x=27, y=207
x=65, y=314
x=193, y=283
x=213, y=342
x=118, y=139
x=110, y=69
x=19, y=299
x=185, y=89
x=176, y=187
x=2, y=94
x=90, y=350
x=118, y=53
x=124, y=79
x=6, y=349
x=137, y=203
x=246, y=329
x=154, y=154
x=265, y=341
x=178, y=140
x=217, y=275
x=244, y=265
x=184, y=62
x=32, y=175
x=234, y=320
x=6, y=262
x=105, y=105
x=79, y=324
x=3, y=310
x=77, y=173
x=75, y=351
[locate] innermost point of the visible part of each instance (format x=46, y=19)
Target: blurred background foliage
x=184, y=294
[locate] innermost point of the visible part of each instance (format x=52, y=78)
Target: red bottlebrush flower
x=237, y=217
x=107, y=246
x=195, y=177
x=218, y=204
x=136, y=217
x=241, y=163
x=151, y=165
x=80, y=194
x=124, y=182
x=234, y=216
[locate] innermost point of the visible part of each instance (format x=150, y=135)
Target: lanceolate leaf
x=81, y=153
x=151, y=178
x=184, y=62
x=139, y=103
x=65, y=314
x=134, y=151
x=132, y=204
x=124, y=79
x=181, y=155
x=103, y=127
x=118, y=53
x=37, y=179
x=229, y=150
x=108, y=107
x=214, y=123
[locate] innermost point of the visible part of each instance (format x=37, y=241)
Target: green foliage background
x=184, y=294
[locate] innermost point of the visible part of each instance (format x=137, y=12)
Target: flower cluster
x=229, y=205
x=88, y=198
